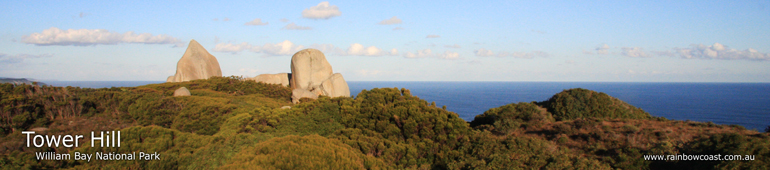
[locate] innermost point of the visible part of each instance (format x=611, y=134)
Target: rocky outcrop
x=309, y=68
x=297, y=94
x=280, y=78
x=196, y=63
x=335, y=86
x=182, y=91
x=312, y=73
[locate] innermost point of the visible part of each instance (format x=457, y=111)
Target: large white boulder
x=196, y=63
x=309, y=68
x=312, y=73
x=335, y=86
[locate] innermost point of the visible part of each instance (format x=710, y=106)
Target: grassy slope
x=232, y=124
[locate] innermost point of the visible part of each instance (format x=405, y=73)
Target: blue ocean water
x=745, y=104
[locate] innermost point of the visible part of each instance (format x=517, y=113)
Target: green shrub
x=511, y=116
x=582, y=103
x=305, y=152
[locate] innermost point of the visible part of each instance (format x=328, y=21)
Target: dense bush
x=302, y=152
x=582, y=103
x=512, y=116
x=391, y=124
x=489, y=151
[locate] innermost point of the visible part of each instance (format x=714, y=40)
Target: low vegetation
x=228, y=123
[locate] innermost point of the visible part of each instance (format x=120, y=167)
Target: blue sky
x=598, y=41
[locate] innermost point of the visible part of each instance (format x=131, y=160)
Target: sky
x=562, y=41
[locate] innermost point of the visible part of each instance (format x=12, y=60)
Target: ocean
x=745, y=104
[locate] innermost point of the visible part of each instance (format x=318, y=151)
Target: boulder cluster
x=311, y=74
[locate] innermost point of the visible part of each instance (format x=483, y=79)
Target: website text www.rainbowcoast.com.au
x=686, y=157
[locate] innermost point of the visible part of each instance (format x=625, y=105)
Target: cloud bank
x=390, y=21
x=288, y=48
x=321, y=11
x=269, y=49
x=86, y=37
x=256, y=22
x=428, y=53
x=292, y=26
x=718, y=51
x=634, y=52
x=604, y=49
x=488, y=53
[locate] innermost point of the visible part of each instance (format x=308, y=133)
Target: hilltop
x=229, y=123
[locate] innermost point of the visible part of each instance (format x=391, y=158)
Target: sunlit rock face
x=280, y=78
x=196, y=63
x=311, y=72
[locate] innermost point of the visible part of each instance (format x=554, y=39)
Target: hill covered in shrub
x=228, y=123
x=582, y=103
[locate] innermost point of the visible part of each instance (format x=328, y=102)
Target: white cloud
x=428, y=53
x=85, y=37
x=284, y=20
x=390, y=21
x=232, y=48
x=488, y=53
x=664, y=53
x=448, y=55
x=226, y=19
x=419, y=54
x=633, y=52
x=452, y=46
x=256, y=22
x=288, y=48
x=604, y=49
x=283, y=48
x=321, y=11
x=18, y=58
x=358, y=49
x=328, y=49
x=393, y=52
x=293, y=26
x=719, y=51
x=398, y=28
x=278, y=49
x=432, y=36
x=483, y=52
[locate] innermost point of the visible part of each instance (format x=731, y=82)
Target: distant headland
x=19, y=81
